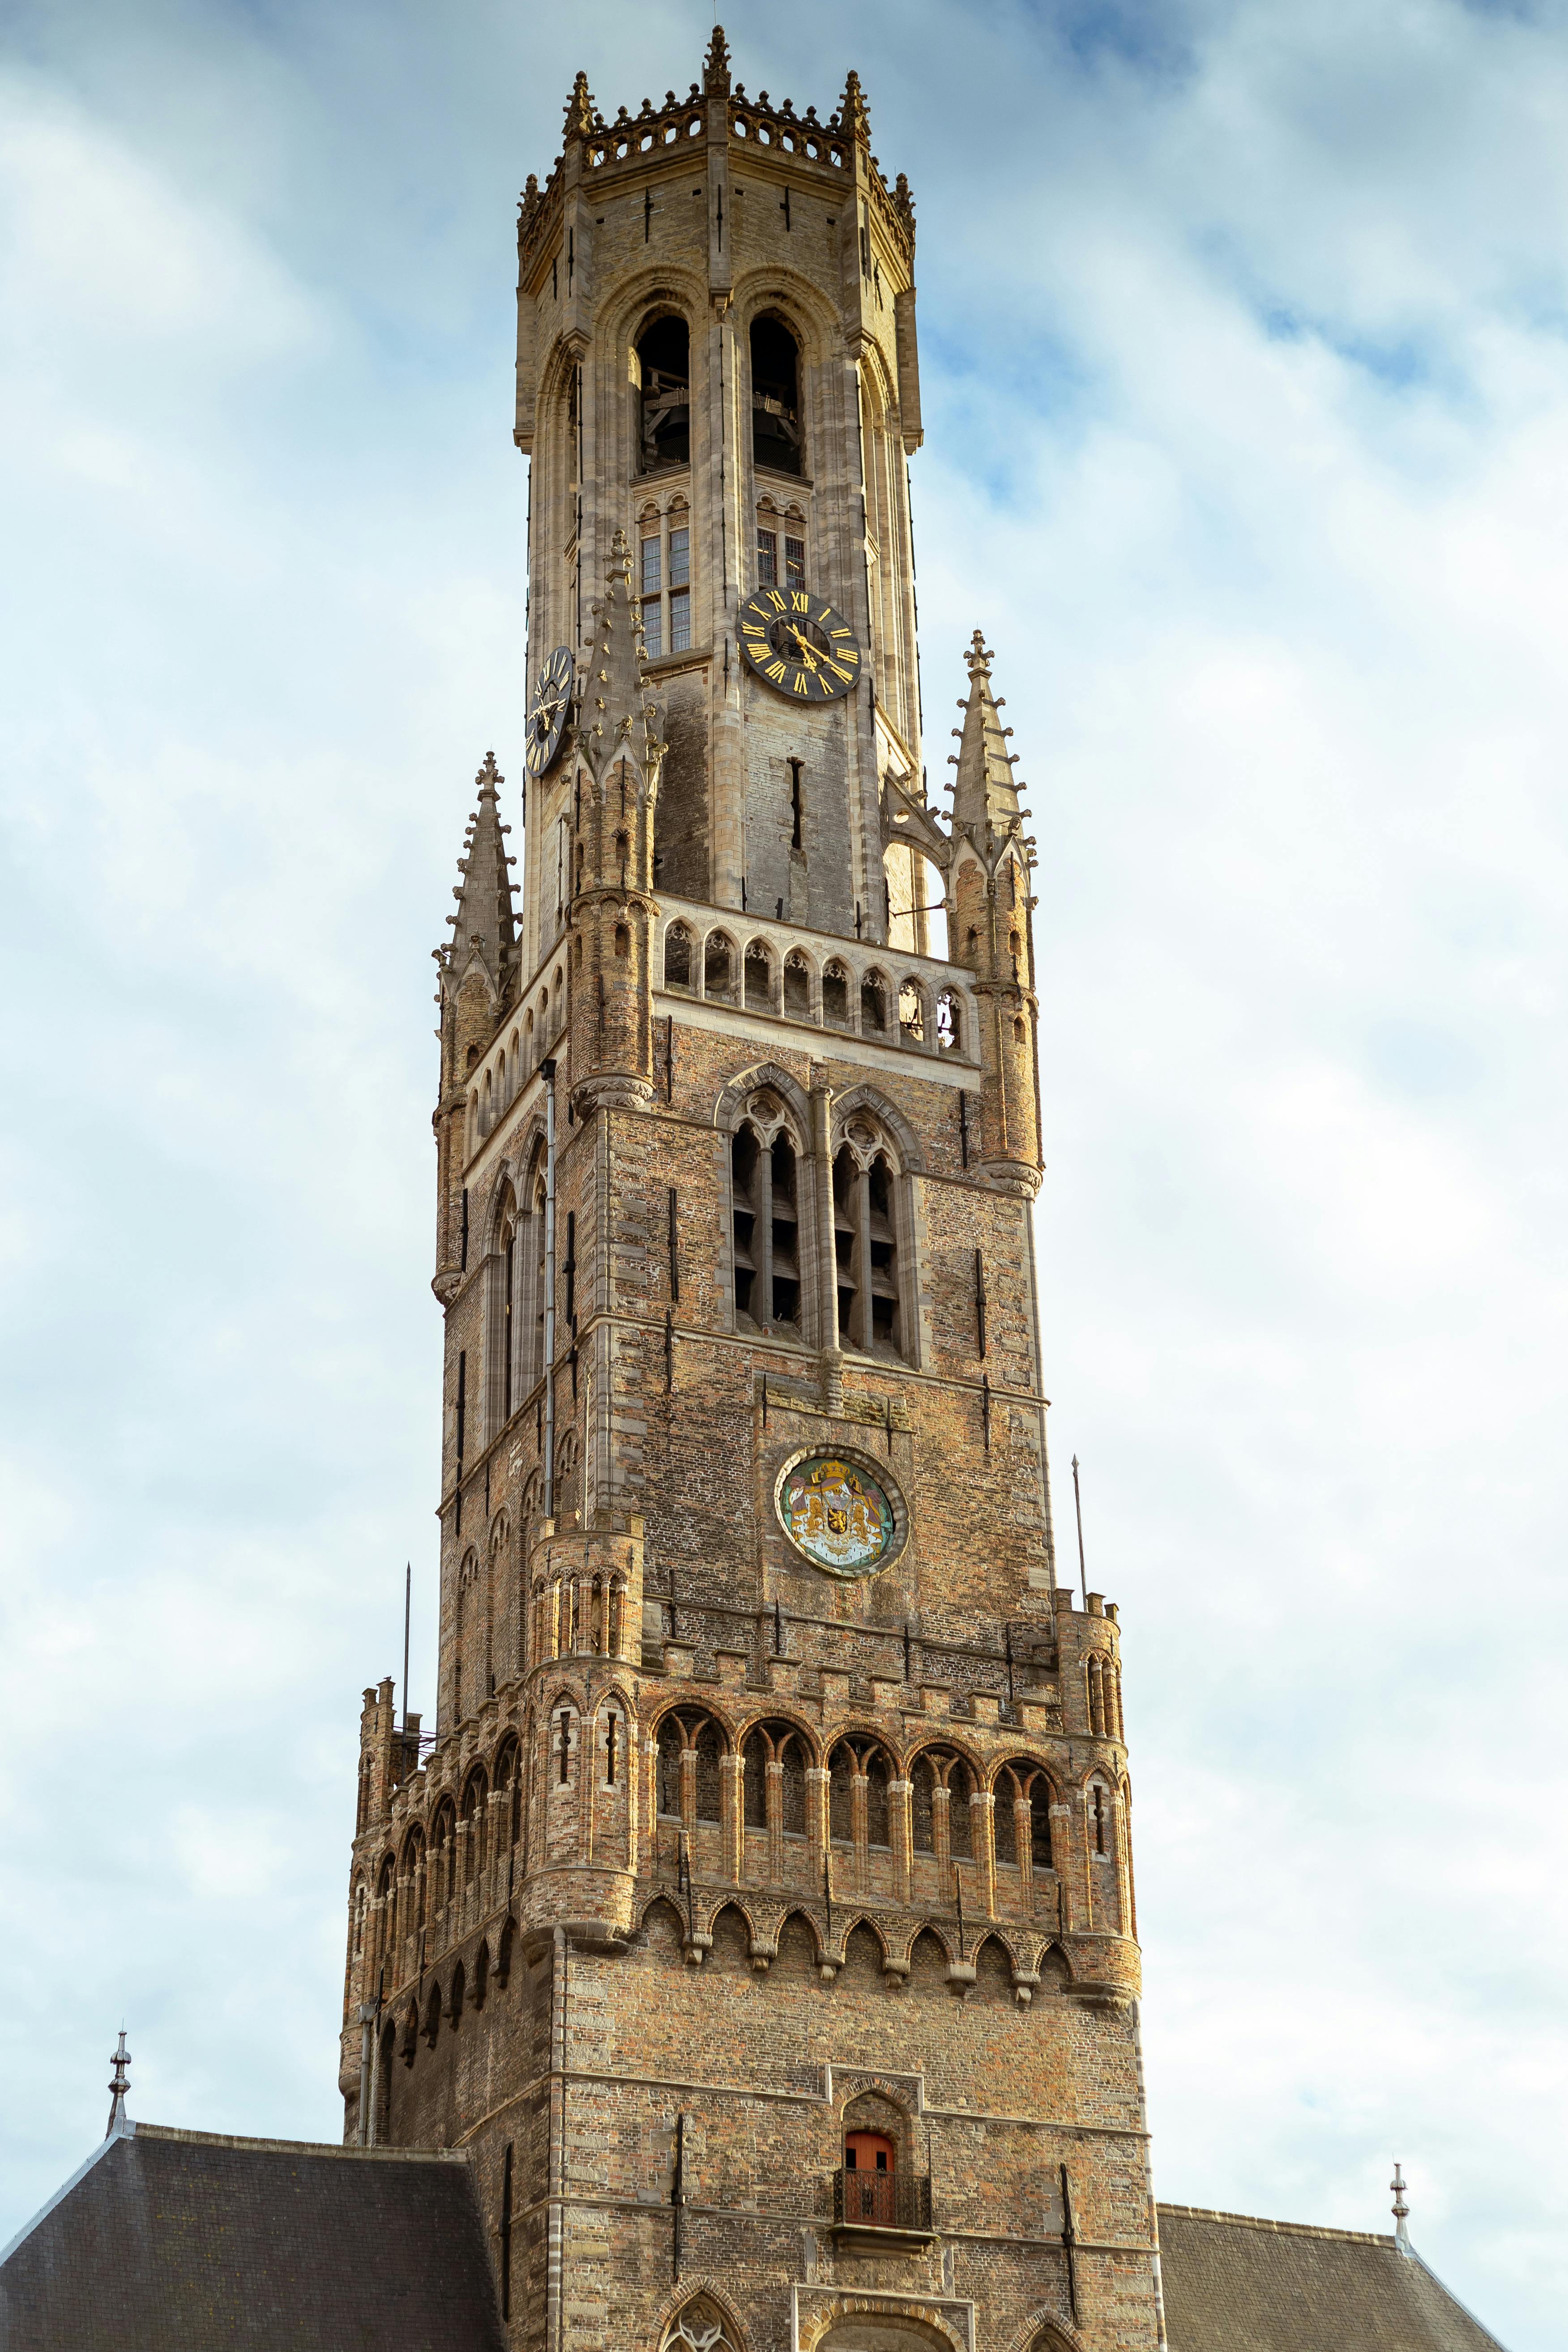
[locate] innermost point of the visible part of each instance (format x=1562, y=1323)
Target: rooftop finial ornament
x=853, y=119
x=1401, y=2211
x=118, y=2118
x=716, y=65
x=580, y=108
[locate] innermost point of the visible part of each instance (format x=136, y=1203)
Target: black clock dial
x=799, y=646
x=547, y=709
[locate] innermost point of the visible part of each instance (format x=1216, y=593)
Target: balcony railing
x=881, y=2200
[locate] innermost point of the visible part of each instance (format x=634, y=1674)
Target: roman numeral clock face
x=799, y=646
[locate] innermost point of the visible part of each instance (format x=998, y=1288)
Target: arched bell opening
x=664, y=406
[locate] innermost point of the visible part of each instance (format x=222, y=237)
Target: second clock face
x=547, y=709
x=799, y=646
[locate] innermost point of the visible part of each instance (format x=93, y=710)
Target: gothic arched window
x=784, y=1745
x=699, y=2327
x=719, y=967
x=766, y=1223
x=866, y=1245
x=664, y=409
x=775, y=396
x=677, y=956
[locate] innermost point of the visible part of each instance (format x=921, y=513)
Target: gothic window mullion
x=762, y=1240
x=863, y=1320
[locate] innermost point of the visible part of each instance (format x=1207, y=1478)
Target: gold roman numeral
x=774, y=670
x=800, y=685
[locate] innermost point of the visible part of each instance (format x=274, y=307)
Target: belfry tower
x=759, y=1917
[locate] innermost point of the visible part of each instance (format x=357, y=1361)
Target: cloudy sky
x=1245, y=362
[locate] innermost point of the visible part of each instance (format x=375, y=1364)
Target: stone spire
x=852, y=118
x=617, y=707
x=984, y=796
x=483, y=924
x=1401, y=2212
x=118, y=2089
x=716, y=65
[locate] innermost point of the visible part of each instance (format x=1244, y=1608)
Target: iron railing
x=881, y=2200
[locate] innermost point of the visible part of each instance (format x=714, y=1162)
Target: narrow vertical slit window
x=794, y=564
x=785, y=1251
x=509, y=1319
x=652, y=577
x=767, y=558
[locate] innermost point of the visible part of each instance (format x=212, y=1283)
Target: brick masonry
x=716, y=1855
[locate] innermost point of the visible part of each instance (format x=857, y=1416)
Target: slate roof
x=188, y=2239
x=1237, y=2285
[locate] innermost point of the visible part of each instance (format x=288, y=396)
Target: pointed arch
x=870, y=1102
x=733, y=1102
x=703, y=2321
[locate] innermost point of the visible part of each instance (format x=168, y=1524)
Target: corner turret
x=477, y=969
x=990, y=931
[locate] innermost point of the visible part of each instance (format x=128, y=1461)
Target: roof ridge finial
x=853, y=119
x=118, y=2118
x=716, y=65
x=1401, y=2209
x=580, y=108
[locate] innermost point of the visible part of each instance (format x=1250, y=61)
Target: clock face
x=799, y=646
x=547, y=709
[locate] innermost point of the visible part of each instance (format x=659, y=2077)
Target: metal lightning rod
x=1077, y=1506
x=407, y=1603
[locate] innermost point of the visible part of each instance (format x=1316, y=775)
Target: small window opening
x=623, y=940
x=836, y=996
x=796, y=840
x=873, y=1007
x=797, y=986
x=610, y=1750
x=767, y=558
x=758, y=978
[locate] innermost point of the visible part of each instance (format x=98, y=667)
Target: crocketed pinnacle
x=985, y=797
x=716, y=65
x=484, y=924
x=580, y=109
x=852, y=118
x=615, y=706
